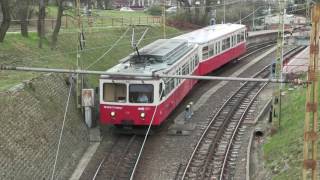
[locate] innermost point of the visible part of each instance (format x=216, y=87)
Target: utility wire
x=108, y=50
x=144, y=141
x=100, y=47
x=61, y=132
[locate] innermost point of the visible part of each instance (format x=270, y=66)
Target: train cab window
x=114, y=92
x=141, y=93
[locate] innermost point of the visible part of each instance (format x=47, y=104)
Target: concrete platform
x=298, y=64
x=263, y=32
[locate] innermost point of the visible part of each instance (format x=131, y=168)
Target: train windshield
x=141, y=93
x=115, y=92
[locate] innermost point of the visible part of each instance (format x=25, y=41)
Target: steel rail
x=254, y=51
x=220, y=110
x=236, y=130
x=213, y=119
x=205, y=132
x=126, y=151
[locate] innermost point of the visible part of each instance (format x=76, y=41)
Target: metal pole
x=78, y=85
x=164, y=20
x=137, y=76
x=311, y=110
x=253, y=19
x=224, y=11
x=240, y=10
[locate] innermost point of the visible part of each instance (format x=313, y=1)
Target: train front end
x=128, y=102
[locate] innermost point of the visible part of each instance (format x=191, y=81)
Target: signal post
x=311, y=114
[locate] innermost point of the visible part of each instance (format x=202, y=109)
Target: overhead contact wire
x=144, y=141
x=61, y=132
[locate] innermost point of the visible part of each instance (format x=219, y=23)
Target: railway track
x=207, y=158
x=217, y=149
x=119, y=162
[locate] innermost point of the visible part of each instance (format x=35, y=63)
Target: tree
x=58, y=23
x=23, y=15
x=100, y=4
x=5, y=20
x=107, y=4
x=41, y=21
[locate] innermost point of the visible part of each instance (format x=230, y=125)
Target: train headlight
x=113, y=114
x=142, y=115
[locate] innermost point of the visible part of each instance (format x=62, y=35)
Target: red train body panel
x=126, y=113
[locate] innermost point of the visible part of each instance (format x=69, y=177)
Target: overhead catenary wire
x=61, y=132
x=112, y=46
x=144, y=140
x=101, y=47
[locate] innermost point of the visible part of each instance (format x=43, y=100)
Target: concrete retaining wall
x=30, y=122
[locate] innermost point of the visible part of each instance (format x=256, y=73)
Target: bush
x=155, y=10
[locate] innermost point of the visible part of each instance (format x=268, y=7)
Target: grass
x=283, y=151
x=119, y=14
x=20, y=51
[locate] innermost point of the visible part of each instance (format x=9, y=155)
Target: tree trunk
x=23, y=11
x=89, y=4
x=41, y=21
x=5, y=20
x=106, y=4
x=58, y=24
x=99, y=4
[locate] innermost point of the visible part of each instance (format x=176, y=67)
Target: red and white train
x=136, y=101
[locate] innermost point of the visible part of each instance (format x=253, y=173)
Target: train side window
x=205, y=52
x=114, y=92
x=161, y=91
x=197, y=59
x=228, y=40
x=238, y=38
x=170, y=85
x=185, y=69
x=217, y=50
x=234, y=40
x=211, y=50
x=141, y=93
x=224, y=44
x=242, y=36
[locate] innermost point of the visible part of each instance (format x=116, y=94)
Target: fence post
x=122, y=20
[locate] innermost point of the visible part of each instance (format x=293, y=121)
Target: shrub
x=155, y=10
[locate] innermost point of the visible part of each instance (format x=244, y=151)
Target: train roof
x=158, y=55
x=209, y=33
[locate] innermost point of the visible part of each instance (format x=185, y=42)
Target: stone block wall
x=30, y=123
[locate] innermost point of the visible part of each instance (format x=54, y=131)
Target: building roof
x=209, y=33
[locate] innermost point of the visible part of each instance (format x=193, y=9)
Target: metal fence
x=69, y=23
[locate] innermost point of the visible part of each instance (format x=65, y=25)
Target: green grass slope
x=283, y=151
x=20, y=51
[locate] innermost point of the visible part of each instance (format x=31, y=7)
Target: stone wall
x=31, y=116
